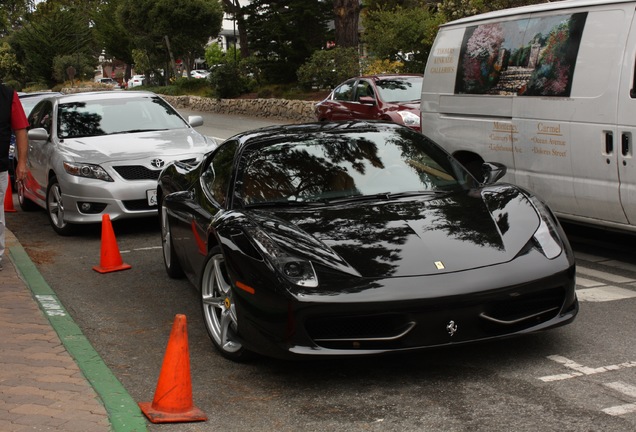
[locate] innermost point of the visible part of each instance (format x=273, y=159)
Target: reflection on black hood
x=409, y=236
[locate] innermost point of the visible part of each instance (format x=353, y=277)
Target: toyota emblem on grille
x=451, y=328
x=157, y=163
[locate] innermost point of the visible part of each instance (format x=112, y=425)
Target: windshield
x=116, y=115
x=319, y=167
x=400, y=89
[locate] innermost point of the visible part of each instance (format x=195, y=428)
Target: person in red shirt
x=12, y=119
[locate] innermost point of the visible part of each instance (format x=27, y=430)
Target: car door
x=342, y=101
x=41, y=117
x=364, y=110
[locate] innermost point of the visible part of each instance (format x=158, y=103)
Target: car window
x=400, y=89
x=216, y=177
x=364, y=88
x=344, y=92
x=324, y=166
x=116, y=115
x=41, y=116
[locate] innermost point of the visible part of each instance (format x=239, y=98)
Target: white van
x=549, y=91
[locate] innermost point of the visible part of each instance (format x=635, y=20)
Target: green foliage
x=83, y=66
x=284, y=34
x=52, y=31
x=228, y=81
x=401, y=34
x=10, y=68
x=455, y=9
x=188, y=23
x=327, y=68
x=382, y=67
x=214, y=54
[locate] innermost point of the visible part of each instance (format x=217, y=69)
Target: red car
x=375, y=97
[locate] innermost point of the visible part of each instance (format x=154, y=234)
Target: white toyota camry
x=100, y=153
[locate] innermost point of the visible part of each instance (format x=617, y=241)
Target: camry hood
x=409, y=237
x=131, y=146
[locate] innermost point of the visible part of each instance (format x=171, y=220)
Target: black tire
x=219, y=310
x=170, y=259
x=55, y=209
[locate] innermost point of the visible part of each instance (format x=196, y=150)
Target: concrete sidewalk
x=51, y=378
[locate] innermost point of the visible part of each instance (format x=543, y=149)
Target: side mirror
x=367, y=100
x=38, y=134
x=195, y=121
x=492, y=171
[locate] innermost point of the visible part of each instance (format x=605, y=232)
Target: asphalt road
x=581, y=377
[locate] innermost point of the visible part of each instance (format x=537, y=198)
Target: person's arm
x=21, y=144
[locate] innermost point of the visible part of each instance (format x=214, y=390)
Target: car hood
x=404, y=106
x=131, y=146
x=408, y=237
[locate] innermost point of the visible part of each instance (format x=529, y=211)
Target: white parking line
x=626, y=389
x=141, y=249
x=581, y=370
x=603, y=275
x=604, y=293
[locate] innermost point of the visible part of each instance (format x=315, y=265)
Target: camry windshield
x=400, y=89
x=328, y=166
x=115, y=116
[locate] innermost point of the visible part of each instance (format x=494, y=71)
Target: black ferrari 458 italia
x=359, y=238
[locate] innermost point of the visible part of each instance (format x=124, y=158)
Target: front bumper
x=372, y=317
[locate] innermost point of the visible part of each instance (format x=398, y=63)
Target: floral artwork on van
x=527, y=57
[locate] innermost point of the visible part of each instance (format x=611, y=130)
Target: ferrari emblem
x=451, y=328
x=439, y=265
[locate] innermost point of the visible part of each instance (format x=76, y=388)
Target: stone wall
x=296, y=111
x=280, y=109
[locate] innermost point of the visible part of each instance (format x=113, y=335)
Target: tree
x=456, y=9
x=284, y=34
x=13, y=13
x=346, y=16
x=53, y=30
x=10, y=68
x=183, y=25
x=238, y=12
x=111, y=35
x=401, y=33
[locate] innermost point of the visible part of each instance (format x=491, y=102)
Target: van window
x=525, y=57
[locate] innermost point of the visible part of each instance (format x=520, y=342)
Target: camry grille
x=137, y=172
x=140, y=172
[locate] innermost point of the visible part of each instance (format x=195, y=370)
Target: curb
x=123, y=412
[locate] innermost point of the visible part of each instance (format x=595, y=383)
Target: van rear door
x=626, y=128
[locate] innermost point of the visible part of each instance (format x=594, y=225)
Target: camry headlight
x=87, y=170
x=546, y=237
x=297, y=270
x=409, y=119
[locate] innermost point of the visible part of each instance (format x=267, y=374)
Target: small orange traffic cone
x=173, y=397
x=110, y=259
x=8, y=199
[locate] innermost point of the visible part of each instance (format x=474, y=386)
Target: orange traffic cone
x=8, y=199
x=173, y=397
x=110, y=259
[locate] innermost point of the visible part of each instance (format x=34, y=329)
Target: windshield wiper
x=383, y=196
x=282, y=204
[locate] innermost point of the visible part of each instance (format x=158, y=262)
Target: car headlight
x=546, y=237
x=409, y=119
x=87, y=170
x=297, y=270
